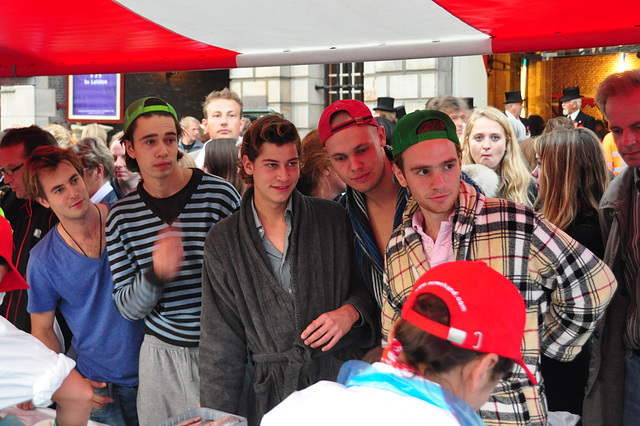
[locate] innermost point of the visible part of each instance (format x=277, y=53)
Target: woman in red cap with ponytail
x=460, y=332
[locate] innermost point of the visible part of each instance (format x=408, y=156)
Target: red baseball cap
x=359, y=112
x=12, y=279
x=487, y=312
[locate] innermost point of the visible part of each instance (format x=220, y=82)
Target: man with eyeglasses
x=30, y=220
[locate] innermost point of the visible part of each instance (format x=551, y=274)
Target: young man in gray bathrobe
x=279, y=284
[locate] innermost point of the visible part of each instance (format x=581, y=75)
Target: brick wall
x=539, y=89
x=587, y=72
x=499, y=79
x=547, y=78
x=504, y=77
x=185, y=91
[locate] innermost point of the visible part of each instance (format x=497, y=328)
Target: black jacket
x=585, y=120
x=30, y=222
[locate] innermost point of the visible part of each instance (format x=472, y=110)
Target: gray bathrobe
x=245, y=311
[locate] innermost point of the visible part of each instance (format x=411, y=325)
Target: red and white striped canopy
x=82, y=37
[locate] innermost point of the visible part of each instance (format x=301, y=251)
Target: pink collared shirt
x=441, y=250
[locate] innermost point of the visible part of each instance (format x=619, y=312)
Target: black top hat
x=570, y=93
x=385, y=104
x=400, y=112
x=513, y=97
x=469, y=102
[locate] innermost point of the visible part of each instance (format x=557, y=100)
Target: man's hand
x=98, y=401
x=26, y=406
x=330, y=327
x=167, y=253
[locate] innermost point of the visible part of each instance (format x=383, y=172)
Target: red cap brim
x=526, y=370
x=12, y=281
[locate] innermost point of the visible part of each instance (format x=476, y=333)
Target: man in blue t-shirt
x=69, y=269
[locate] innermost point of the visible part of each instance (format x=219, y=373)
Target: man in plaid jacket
x=566, y=288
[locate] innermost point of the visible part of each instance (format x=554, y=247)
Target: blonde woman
x=62, y=135
x=488, y=139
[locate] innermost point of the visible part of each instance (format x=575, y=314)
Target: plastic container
x=207, y=414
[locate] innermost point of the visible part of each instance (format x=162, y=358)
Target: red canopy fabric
x=82, y=37
x=530, y=26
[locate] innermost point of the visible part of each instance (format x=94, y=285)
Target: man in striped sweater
x=155, y=241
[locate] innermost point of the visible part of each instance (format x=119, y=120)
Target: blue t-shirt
x=107, y=344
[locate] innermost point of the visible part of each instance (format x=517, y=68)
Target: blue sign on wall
x=95, y=97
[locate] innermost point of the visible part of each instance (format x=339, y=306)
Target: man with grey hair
x=571, y=104
x=456, y=108
x=190, y=140
x=98, y=170
x=616, y=350
x=513, y=107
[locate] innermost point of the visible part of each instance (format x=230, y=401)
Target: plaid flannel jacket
x=565, y=287
x=368, y=256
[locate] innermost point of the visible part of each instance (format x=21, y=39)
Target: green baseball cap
x=135, y=110
x=405, y=133
x=140, y=107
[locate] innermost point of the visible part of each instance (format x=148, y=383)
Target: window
x=343, y=81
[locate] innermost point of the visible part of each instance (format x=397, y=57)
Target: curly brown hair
x=272, y=128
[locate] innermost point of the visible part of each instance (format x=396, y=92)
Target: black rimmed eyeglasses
x=10, y=172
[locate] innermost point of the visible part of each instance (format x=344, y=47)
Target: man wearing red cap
x=356, y=146
x=566, y=288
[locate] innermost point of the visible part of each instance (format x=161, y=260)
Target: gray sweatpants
x=169, y=380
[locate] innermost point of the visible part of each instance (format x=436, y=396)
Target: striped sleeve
x=171, y=310
x=131, y=231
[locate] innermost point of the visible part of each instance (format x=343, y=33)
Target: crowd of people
x=451, y=264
